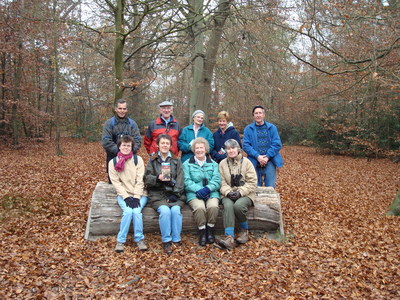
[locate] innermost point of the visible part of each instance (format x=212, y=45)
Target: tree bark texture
x=105, y=214
x=205, y=60
x=394, y=209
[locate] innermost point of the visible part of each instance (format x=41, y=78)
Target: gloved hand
x=203, y=193
x=234, y=195
x=172, y=198
x=132, y=202
x=172, y=182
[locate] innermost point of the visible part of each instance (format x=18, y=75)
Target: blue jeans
x=129, y=214
x=266, y=175
x=170, y=220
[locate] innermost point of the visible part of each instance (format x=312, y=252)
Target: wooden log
x=105, y=214
x=394, y=209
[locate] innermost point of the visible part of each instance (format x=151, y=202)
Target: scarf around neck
x=119, y=166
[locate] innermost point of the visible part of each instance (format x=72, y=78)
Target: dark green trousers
x=236, y=209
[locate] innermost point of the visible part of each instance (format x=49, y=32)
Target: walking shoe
x=141, y=245
x=167, y=248
x=228, y=242
x=119, y=247
x=243, y=236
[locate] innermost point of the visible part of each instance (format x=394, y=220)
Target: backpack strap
x=113, y=123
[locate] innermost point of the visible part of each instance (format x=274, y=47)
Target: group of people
x=210, y=171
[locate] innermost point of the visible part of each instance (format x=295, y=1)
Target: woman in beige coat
x=238, y=185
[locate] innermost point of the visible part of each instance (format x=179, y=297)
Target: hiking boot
x=167, y=248
x=202, y=237
x=119, y=247
x=243, y=236
x=210, y=235
x=228, y=242
x=141, y=245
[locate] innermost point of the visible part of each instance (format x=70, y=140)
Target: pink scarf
x=119, y=166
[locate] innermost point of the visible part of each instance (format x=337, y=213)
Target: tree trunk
x=56, y=78
x=220, y=17
x=119, y=49
x=198, y=59
x=204, y=63
x=105, y=214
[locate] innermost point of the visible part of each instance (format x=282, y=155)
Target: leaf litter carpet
x=339, y=243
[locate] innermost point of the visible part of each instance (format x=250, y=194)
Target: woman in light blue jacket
x=202, y=183
x=195, y=130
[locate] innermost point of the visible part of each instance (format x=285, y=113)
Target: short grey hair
x=231, y=143
x=201, y=140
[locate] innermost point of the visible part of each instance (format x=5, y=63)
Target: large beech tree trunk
x=105, y=214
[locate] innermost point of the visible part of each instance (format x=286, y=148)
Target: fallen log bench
x=105, y=214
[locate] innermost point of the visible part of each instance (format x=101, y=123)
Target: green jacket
x=195, y=175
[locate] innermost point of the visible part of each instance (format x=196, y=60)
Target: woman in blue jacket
x=225, y=132
x=202, y=183
x=191, y=132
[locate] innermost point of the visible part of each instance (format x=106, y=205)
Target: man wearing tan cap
x=164, y=124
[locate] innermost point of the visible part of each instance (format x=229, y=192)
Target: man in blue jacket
x=262, y=143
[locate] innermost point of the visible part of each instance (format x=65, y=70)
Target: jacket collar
x=156, y=156
x=161, y=120
x=254, y=125
x=193, y=161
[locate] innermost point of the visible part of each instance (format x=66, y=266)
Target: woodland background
x=327, y=71
x=328, y=74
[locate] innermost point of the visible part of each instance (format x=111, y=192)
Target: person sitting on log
x=126, y=172
x=238, y=186
x=164, y=183
x=202, y=183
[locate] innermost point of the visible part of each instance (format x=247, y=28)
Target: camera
x=236, y=180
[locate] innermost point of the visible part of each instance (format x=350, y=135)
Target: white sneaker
x=119, y=247
x=141, y=245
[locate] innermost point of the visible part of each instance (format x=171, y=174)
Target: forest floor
x=339, y=242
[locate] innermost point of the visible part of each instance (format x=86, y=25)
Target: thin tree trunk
x=198, y=58
x=57, y=79
x=119, y=49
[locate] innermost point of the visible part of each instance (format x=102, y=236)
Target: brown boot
x=243, y=236
x=167, y=248
x=228, y=242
